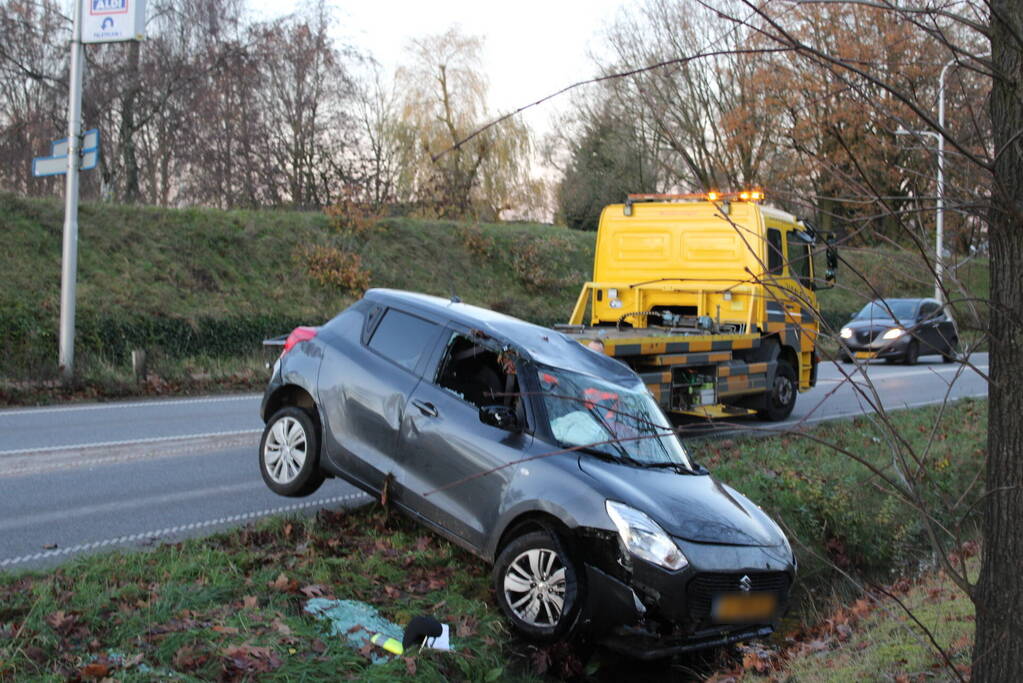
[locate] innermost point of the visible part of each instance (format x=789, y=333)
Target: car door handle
x=426, y=408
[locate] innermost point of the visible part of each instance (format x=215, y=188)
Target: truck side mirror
x=830, y=274
x=502, y=417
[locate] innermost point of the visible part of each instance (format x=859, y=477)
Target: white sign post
x=95, y=21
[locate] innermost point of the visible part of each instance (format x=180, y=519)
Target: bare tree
x=444, y=97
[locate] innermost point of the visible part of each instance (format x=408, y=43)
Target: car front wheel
x=912, y=353
x=538, y=587
x=949, y=356
x=289, y=453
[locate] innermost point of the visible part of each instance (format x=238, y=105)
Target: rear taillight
x=299, y=334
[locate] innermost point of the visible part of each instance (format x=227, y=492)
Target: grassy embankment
x=200, y=288
x=231, y=605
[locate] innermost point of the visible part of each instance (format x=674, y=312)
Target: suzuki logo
x=745, y=584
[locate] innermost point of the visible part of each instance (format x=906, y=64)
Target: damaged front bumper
x=647, y=613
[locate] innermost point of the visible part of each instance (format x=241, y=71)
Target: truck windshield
x=616, y=421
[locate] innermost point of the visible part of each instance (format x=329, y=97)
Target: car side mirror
x=502, y=417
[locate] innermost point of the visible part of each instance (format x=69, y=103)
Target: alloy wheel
x=534, y=587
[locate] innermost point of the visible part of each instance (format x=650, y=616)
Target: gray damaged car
x=542, y=457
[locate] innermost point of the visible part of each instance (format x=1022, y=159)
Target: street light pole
x=69, y=270
x=941, y=191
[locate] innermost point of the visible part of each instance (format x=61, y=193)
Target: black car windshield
x=617, y=421
x=877, y=310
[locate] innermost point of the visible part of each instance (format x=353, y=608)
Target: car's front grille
x=867, y=336
x=703, y=588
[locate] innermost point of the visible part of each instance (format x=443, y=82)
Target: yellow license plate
x=866, y=354
x=744, y=608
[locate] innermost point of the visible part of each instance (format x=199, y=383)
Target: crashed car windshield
x=620, y=422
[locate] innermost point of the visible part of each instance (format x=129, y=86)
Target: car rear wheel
x=538, y=587
x=289, y=453
x=780, y=401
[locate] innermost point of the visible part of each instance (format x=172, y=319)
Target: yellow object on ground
x=388, y=643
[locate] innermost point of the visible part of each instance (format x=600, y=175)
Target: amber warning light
x=712, y=196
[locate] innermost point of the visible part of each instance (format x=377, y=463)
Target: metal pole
x=69, y=270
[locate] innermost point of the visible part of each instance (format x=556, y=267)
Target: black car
x=545, y=458
x=900, y=330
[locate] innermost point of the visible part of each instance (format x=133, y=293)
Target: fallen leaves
x=241, y=660
x=62, y=622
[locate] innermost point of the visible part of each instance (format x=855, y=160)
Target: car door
x=364, y=390
x=445, y=444
x=927, y=328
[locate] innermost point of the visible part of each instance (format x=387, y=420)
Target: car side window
x=774, y=252
x=403, y=338
x=477, y=374
x=929, y=310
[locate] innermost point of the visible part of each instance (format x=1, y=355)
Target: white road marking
x=856, y=376
x=154, y=403
x=130, y=442
x=82, y=511
x=858, y=413
x=169, y=531
x=33, y=467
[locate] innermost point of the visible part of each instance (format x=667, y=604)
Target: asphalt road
x=84, y=478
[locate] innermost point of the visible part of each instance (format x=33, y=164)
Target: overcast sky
x=531, y=47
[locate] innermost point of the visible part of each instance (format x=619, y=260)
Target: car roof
x=542, y=344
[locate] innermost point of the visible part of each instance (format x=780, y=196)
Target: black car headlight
x=644, y=538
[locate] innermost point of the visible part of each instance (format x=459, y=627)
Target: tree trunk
x=998, y=652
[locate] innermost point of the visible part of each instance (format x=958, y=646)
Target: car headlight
x=644, y=538
x=893, y=333
x=846, y=333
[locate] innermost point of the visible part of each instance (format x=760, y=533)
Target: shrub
x=475, y=241
x=542, y=263
x=337, y=268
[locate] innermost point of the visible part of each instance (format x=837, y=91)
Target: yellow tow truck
x=710, y=298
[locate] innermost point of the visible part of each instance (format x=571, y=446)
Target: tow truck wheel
x=782, y=398
x=538, y=587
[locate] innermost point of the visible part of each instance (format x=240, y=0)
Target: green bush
x=31, y=339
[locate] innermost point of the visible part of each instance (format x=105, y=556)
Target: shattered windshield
x=609, y=419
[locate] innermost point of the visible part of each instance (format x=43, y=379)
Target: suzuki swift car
x=900, y=330
x=543, y=457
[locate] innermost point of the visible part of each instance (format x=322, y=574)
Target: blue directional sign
x=56, y=162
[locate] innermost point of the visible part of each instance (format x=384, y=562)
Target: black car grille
x=703, y=588
x=867, y=336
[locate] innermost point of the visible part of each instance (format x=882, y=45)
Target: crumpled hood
x=692, y=507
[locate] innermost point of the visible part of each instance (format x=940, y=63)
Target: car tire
x=781, y=399
x=950, y=355
x=289, y=453
x=912, y=353
x=538, y=587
